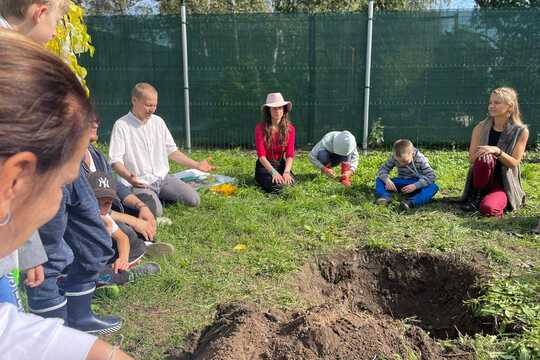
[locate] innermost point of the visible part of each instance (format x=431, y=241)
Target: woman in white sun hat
x=274, y=140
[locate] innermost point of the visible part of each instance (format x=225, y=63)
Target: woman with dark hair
x=274, y=139
x=44, y=128
x=497, y=146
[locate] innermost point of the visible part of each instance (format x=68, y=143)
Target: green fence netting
x=432, y=71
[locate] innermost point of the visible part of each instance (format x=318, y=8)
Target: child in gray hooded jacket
x=336, y=148
x=415, y=177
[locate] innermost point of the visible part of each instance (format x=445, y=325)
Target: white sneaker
x=162, y=220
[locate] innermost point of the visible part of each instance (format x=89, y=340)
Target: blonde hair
x=141, y=88
x=18, y=8
x=402, y=147
x=510, y=97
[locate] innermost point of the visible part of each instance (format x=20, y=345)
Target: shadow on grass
x=517, y=226
x=514, y=225
x=360, y=193
x=303, y=177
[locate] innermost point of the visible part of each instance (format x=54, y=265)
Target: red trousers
x=495, y=200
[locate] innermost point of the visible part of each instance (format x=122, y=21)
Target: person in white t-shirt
x=140, y=148
x=40, y=153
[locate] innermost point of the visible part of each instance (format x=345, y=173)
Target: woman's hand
x=277, y=178
x=287, y=178
x=487, y=152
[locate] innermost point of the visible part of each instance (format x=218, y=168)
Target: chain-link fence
x=432, y=71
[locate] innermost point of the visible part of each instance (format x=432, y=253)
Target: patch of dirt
x=426, y=289
x=360, y=299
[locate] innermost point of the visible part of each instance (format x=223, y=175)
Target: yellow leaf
x=240, y=248
x=71, y=40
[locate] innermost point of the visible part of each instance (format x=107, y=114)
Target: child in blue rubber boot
x=415, y=177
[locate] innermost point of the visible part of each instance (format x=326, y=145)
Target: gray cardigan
x=511, y=178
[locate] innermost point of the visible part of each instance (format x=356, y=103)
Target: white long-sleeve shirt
x=143, y=147
x=30, y=337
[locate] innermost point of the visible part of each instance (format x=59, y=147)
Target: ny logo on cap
x=103, y=182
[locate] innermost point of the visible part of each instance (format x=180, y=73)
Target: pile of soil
x=359, y=299
x=240, y=331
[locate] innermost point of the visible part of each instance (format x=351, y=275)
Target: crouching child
x=336, y=148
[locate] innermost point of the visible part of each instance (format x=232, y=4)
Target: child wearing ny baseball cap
x=128, y=250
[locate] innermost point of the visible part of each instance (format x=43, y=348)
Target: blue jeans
x=76, y=237
x=419, y=197
x=328, y=158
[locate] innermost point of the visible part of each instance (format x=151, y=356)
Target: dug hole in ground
x=367, y=304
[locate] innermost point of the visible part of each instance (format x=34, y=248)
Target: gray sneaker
x=143, y=270
x=156, y=250
x=382, y=201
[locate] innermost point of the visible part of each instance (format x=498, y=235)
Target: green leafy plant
x=376, y=135
x=71, y=40
x=514, y=304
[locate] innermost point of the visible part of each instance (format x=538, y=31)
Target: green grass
x=282, y=232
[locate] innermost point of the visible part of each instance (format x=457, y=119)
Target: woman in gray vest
x=497, y=146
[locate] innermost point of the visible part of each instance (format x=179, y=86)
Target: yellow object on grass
x=225, y=189
x=240, y=248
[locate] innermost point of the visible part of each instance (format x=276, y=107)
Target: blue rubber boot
x=59, y=311
x=81, y=317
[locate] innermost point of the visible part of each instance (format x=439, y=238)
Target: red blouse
x=277, y=149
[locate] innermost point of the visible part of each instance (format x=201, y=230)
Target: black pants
x=264, y=178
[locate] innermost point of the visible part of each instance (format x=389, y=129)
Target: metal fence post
x=368, y=76
x=186, y=77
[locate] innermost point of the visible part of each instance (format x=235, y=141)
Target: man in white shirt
x=140, y=148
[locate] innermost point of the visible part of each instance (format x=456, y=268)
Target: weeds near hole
x=514, y=304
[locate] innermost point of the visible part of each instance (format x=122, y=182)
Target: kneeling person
x=140, y=148
x=336, y=148
x=415, y=177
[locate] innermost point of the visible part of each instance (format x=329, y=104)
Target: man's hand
x=133, y=180
x=390, y=186
x=203, y=165
x=35, y=276
x=408, y=189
